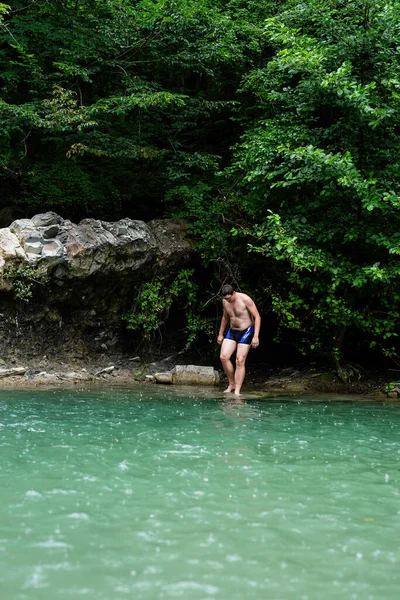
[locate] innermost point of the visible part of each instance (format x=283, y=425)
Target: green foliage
x=154, y=300
x=135, y=87
x=203, y=207
x=24, y=277
x=389, y=387
x=319, y=191
x=4, y=8
x=273, y=127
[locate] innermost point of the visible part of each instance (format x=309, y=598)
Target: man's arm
x=223, y=326
x=251, y=307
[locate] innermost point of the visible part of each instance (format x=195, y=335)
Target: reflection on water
x=150, y=495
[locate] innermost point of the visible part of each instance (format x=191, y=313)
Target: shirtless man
x=243, y=318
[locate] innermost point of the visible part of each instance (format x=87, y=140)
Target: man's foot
x=230, y=388
x=237, y=393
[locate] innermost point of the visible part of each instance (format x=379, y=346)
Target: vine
x=152, y=304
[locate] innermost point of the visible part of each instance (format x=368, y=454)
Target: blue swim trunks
x=240, y=337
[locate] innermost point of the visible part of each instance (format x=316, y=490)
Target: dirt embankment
x=324, y=380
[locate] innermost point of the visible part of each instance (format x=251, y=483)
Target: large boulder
x=64, y=287
x=189, y=375
x=66, y=251
x=195, y=375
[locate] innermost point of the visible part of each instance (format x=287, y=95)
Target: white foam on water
x=61, y=492
x=37, y=579
x=52, y=543
x=79, y=516
x=233, y=558
x=192, y=585
x=123, y=589
x=33, y=494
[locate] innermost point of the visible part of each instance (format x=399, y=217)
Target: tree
x=319, y=171
x=101, y=122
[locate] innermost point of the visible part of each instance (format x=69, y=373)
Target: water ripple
x=154, y=496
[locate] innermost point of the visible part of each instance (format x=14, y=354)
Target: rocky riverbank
x=64, y=288
x=119, y=370
x=115, y=370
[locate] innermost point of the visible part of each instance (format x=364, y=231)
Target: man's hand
x=220, y=339
x=254, y=342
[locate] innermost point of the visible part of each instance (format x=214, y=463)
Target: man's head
x=227, y=292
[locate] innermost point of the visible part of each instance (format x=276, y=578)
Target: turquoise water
x=149, y=495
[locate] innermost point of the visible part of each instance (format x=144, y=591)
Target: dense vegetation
x=273, y=126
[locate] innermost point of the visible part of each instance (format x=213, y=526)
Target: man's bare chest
x=237, y=310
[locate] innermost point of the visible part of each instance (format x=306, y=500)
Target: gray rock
x=47, y=219
x=17, y=371
x=20, y=226
x=32, y=246
x=70, y=375
x=106, y=370
x=86, y=275
x=31, y=257
x=54, y=248
x=163, y=377
x=9, y=245
x=94, y=246
x=51, y=232
x=195, y=375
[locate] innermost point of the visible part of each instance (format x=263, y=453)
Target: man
x=243, y=318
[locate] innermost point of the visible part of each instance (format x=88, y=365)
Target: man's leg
x=241, y=355
x=227, y=349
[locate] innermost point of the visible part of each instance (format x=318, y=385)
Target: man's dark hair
x=227, y=290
